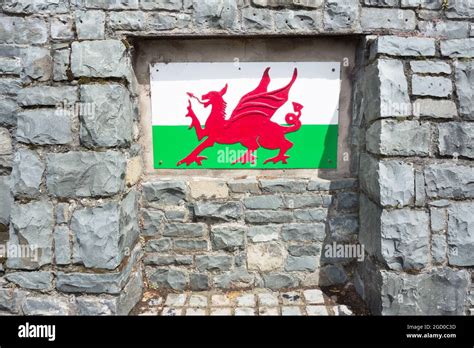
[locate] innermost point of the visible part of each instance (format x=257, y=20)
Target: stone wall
x=70, y=160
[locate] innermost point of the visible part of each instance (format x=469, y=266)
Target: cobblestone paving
x=246, y=303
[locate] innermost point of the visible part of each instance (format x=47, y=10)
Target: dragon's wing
x=260, y=101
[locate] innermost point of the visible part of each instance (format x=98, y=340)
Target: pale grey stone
x=8, y=108
x=184, y=230
x=227, y=211
x=438, y=248
x=460, y=236
x=434, y=108
x=403, y=46
x=37, y=63
x=310, y=215
x=430, y=67
x=460, y=9
x=190, y=244
x=159, y=21
x=10, y=66
x=62, y=28
x=35, y=6
x=444, y=29
x=292, y=3
x=44, y=127
x=307, y=201
x=158, y=259
x=255, y=19
x=112, y=4
x=153, y=221
x=458, y=48
x=171, y=5
x=465, y=89
x=448, y=180
x=221, y=14
x=158, y=245
x=6, y=200
x=340, y=15
x=456, y=139
x=431, y=86
x=428, y=4
x=264, y=233
x=47, y=305
x=62, y=245
x=90, y=25
x=27, y=173
x=268, y=216
x=166, y=278
x=47, y=96
x=303, y=232
x=263, y=202
x=303, y=21
x=85, y=174
x=32, y=280
x=213, y=262
x=5, y=142
x=228, y=237
x=10, y=86
x=61, y=64
x=165, y=192
x=244, y=186
x=23, y=30
x=382, y=18
x=127, y=20
x=381, y=3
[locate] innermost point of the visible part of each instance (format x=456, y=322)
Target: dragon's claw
x=277, y=159
x=190, y=159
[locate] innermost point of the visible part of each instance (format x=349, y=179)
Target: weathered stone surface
x=430, y=67
x=265, y=257
x=392, y=138
x=37, y=63
x=307, y=201
x=310, y=215
x=343, y=227
x=89, y=305
x=335, y=184
x=6, y=200
x=165, y=192
x=112, y=5
x=428, y=4
x=305, y=249
x=228, y=237
x=198, y=282
x=263, y=202
x=303, y=21
x=438, y=248
x=460, y=48
x=378, y=18
x=158, y=245
x=340, y=15
x=32, y=280
x=11, y=299
x=8, y=108
x=347, y=201
x=448, y=180
x=301, y=263
x=158, y=259
x=434, y=108
x=389, y=182
x=85, y=174
x=439, y=292
x=153, y=222
x=61, y=64
x=90, y=25
x=220, y=14
x=283, y=185
x=46, y=95
x=386, y=90
x=62, y=245
x=456, y=139
x=62, y=28
x=10, y=66
x=265, y=233
x=134, y=171
x=27, y=173
x=47, y=305
x=405, y=239
x=35, y=6
x=111, y=121
x=105, y=58
x=381, y=3
x=465, y=89
x=5, y=142
x=171, y=5
x=184, y=230
x=227, y=211
x=244, y=186
x=460, y=236
x=238, y=278
x=303, y=232
x=208, y=189
x=32, y=225
x=19, y=30
x=190, y=244
x=444, y=29
x=288, y=3
x=431, y=86
x=403, y=46
x=460, y=9
x=101, y=236
x=276, y=281
x=332, y=275
x=255, y=19
x=268, y=216
x=127, y=20
x=159, y=21
x=44, y=127
x=213, y=262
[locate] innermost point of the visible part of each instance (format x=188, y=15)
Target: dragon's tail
x=293, y=119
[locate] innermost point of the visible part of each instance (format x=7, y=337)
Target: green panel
x=315, y=146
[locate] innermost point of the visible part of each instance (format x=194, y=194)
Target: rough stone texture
x=448, y=180
x=430, y=67
x=111, y=122
x=61, y=64
x=407, y=138
x=464, y=88
x=341, y=15
x=404, y=46
x=61, y=28
x=304, y=21
x=127, y=20
x=438, y=248
x=165, y=192
x=449, y=30
x=34, y=6
x=6, y=199
x=434, y=108
x=428, y=4
x=47, y=305
x=460, y=48
x=37, y=64
x=44, y=127
x=32, y=225
x=184, y=230
x=208, y=189
x=90, y=25
x=266, y=233
x=213, y=262
x=5, y=142
x=303, y=232
x=431, y=86
x=221, y=14
x=456, y=139
x=62, y=245
x=85, y=174
x=104, y=58
x=378, y=18
x=278, y=281
x=19, y=30
x=283, y=185
x=218, y=211
x=27, y=173
x=228, y=236
x=460, y=234
x=265, y=257
x=32, y=280
x=45, y=95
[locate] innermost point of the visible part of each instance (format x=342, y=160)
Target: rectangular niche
x=277, y=104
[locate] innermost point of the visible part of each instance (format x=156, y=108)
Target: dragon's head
x=213, y=97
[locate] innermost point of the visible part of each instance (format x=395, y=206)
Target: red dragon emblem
x=249, y=124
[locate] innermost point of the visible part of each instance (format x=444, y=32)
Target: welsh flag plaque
x=252, y=115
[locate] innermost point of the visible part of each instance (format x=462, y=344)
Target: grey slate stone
x=268, y=216
x=166, y=278
x=127, y=20
x=111, y=122
x=283, y=185
x=159, y=21
x=198, y=282
x=89, y=305
x=158, y=245
x=32, y=225
x=456, y=139
x=434, y=108
x=332, y=275
x=464, y=88
x=46, y=95
x=27, y=173
x=37, y=63
x=431, y=86
x=383, y=18
x=213, y=262
x=302, y=21
x=158, y=259
x=347, y=201
x=90, y=25
x=405, y=138
x=8, y=109
x=426, y=4
x=444, y=29
x=32, y=280
x=343, y=227
x=62, y=28
x=184, y=230
x=340, y=15
x=47, y=305
x=6, y=200
x=10, y=66
x=62, y=245
x=35, y=6
x=263, y=233
x=303, y=232
x=228, y=237
x=310, y=215
x=61, y=64
x=460, y=236
x=458, y=48
x=112, y=5
x=255, y=19
x=165, y=192
x=153, y=222
x=447, y=180
x=190, y=244
x=334, y=184
x=277, y=281
x=105, y=58
x=460, y=9
x=5, y=142
x=288, y=3
x=263, y=202
x=301, y=263
x=19, y=30
x=10, y=86
x=307, y=201
x=438, y=248
x=305, y=249
x=430, y=67
x=244, y=186
x=227, y=211
x=85, y=174
x=44, y=127
x=238, y=278
x=171, y=5
x=221, y=14
x=381, y=3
